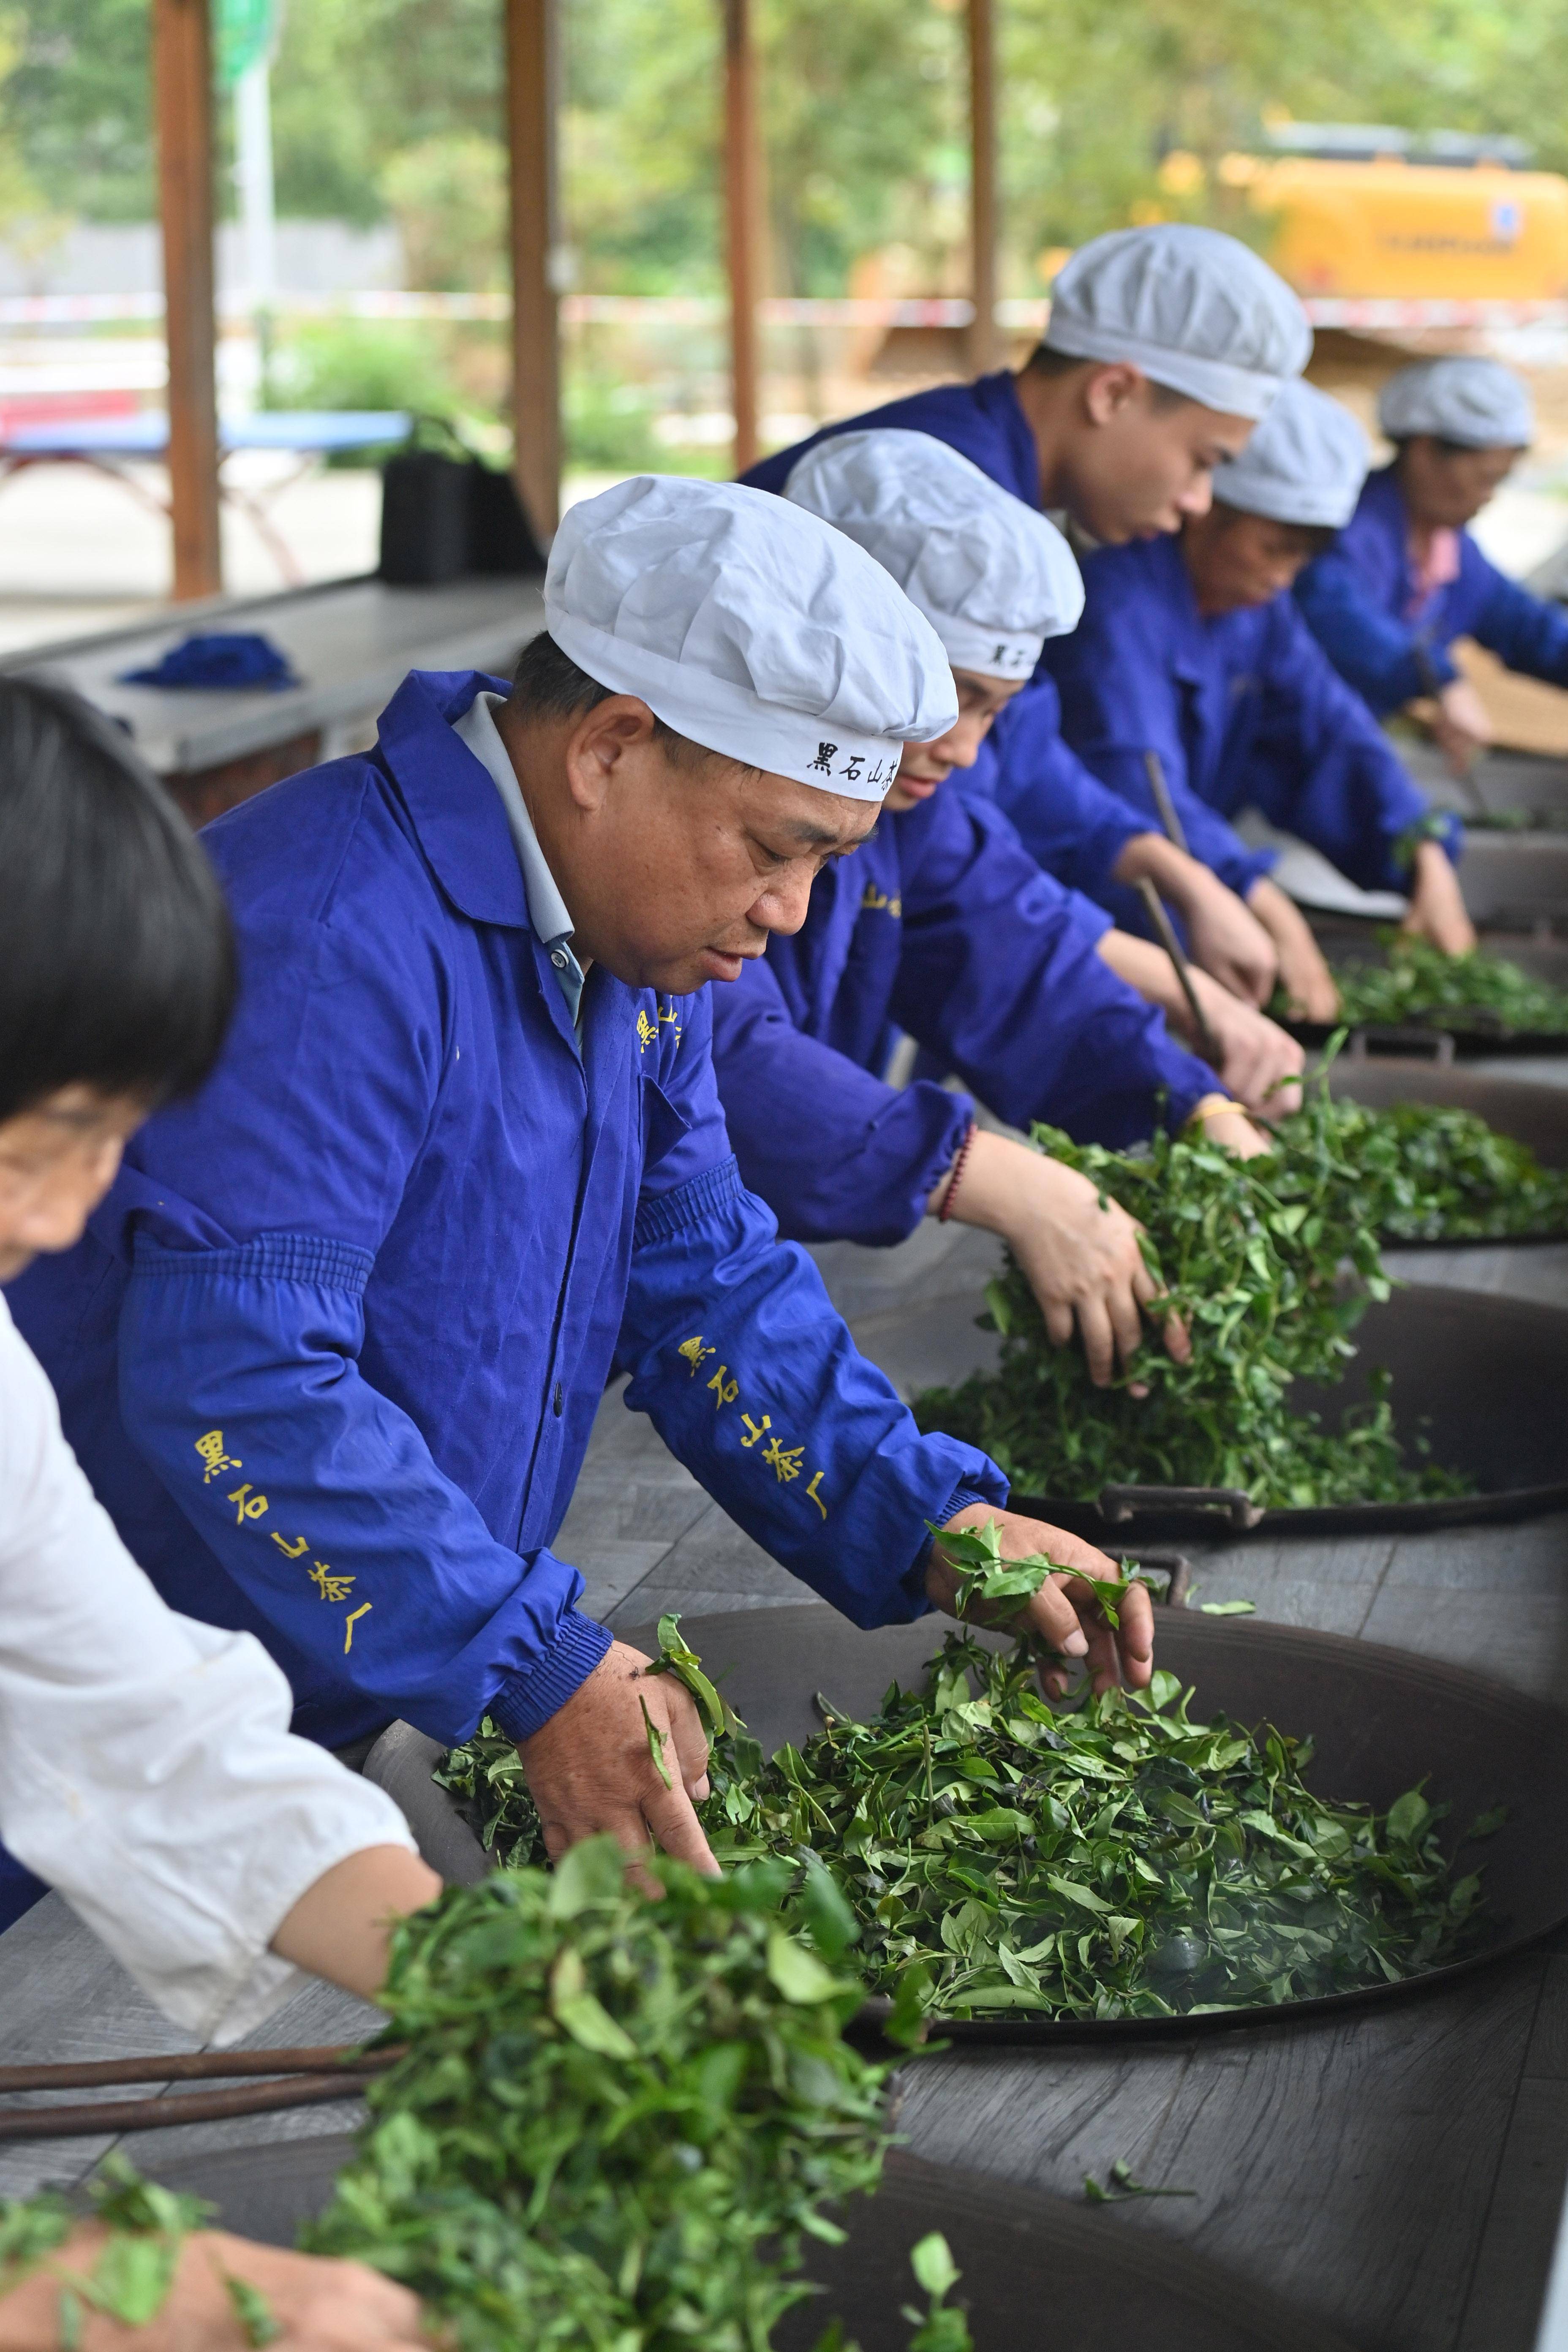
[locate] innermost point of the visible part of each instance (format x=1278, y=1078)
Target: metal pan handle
x=1176, y=1567
x=1120, y=1503
x=1408, y=1044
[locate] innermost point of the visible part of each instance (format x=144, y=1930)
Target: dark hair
x=548, y=684
x=1043, y=360
x=1443, y=447
x=117, y=964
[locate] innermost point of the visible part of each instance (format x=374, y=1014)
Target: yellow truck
x=1364, y=214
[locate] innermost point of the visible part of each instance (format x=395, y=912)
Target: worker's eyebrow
x=810, y=835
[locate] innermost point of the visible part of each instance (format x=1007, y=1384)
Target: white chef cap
x=1473, y=400
x=1305, y=462
x=993, y=578
x=1196, y=310
x=750, y=627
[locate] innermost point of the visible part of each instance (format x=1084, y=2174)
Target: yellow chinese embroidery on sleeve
x=251, y=1506
x=211, y=1450
x=351, y=1621
x=694, y=1352
x=301, y=1544
x=330, y=1587
x=784, y=1460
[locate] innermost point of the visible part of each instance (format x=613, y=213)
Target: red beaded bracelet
x=956, y=1177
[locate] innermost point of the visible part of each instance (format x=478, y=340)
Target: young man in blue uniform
x=1193, y=653
x=333, y=1349
x=1164, y=346
x=944, y=924
x=1405, y=578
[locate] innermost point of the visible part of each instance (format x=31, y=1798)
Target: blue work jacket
x=1242, y=709
x=332, y=1347
x=1065, y=817
x=942, y=925
x=1359, y=597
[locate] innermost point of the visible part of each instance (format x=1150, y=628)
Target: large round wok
x=1035, y=2267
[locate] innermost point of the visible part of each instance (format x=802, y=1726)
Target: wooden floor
x=1398, y=2174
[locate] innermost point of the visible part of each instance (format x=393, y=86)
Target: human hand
x=1235, y=1133
x=1223, y=937
x=1460, y=727
x=1064, y=1615
x=1079, y=1254
x=1260, y=1063
x=1438, y=910
x=319, y=2306
x=594, y=1765
x=1303, y=974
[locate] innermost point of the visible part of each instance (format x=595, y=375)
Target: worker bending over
x=1164, y=346
x=1405, y=578
x=146, y=1766
x=942, y=924
x=1193, y=659
x=333, y=1348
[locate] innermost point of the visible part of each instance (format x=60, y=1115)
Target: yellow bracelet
x=1212, y=1106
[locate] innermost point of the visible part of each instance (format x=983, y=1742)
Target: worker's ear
x=1109, y=391
x=604, y=742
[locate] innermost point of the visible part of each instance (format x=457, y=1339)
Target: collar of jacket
x=450, y=797
x=997, y=395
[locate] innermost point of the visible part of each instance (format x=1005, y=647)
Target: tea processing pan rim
x=1365, y=1660
x=1220, y=1514
x=1400, y=1041
x=1061, y=2235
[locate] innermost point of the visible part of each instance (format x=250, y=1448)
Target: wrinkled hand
x=1460, y=727
x=1225, y=938
x=592, y=1766
x=1438, y=910
x=320, y=2306
x=1065, y=1616
x=1080, y=1258
x=1303, y=974
x=1260, y=1063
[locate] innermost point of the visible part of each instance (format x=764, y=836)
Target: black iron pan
x=1481, y=1378
x=1036, y=2269
x=1381, y=1720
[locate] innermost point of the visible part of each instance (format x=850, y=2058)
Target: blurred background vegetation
x=388, y=110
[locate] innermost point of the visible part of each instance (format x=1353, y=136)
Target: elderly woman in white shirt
x=147, y=1770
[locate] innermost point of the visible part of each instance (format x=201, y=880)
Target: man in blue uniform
x=1164, y=346
x=332, y=1349
x=1406, y=578
x=1193, y=653
x=943, y=923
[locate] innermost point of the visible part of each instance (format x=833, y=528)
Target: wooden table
x=1399, y=2173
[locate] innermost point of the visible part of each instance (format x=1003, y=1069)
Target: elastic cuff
x=963, y=1494
x=523, y=1702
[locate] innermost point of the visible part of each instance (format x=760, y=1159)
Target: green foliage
x=134, y=2267
x=940, y=2327
x=1121, y=2188
x=1419, y=983
x=1253, y=1254
x=985, y=1852
x=1445, y=1175
x=363, y=363
x=618, y=2121
x=448, y=197
x=1121, y=1860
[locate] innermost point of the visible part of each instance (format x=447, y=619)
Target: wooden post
x=743, y=221
x=182, y=78
x=532, y=71
x=983, y=338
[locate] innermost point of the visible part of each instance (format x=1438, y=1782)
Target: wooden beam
x=183, y=100
x=984, y=346
x=532, y=66
x=743, y=221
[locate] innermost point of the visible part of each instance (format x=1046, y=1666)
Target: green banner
x=245, y=29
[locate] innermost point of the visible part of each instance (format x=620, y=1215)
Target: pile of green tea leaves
x=1418, y=985
x=1435, y=1173
x=1115, y=1858
x=1270, y=1263
x=617, y=2119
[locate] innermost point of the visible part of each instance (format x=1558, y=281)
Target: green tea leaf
x=933, y=2266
